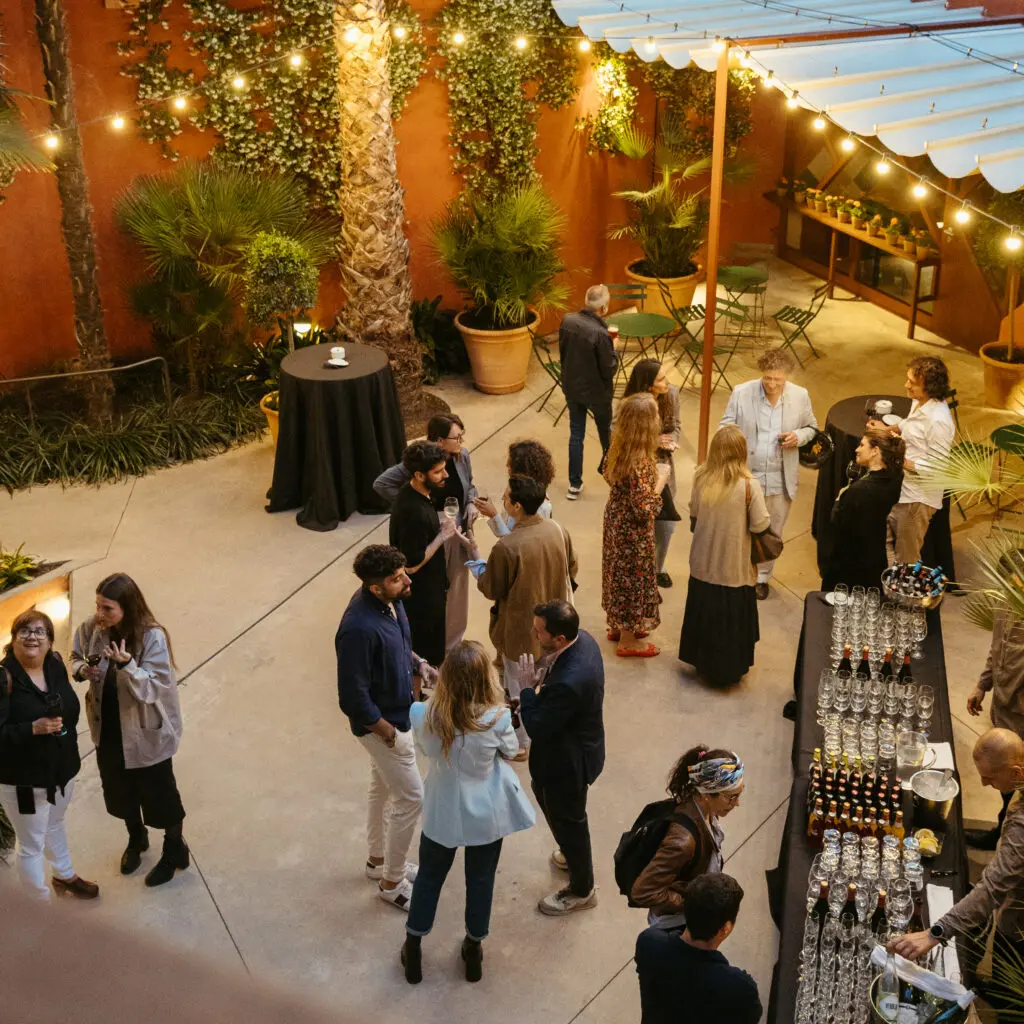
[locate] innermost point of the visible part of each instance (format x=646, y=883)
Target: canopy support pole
x=714, y=237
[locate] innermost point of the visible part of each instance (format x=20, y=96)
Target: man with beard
x=417, y=532
x=379, y=676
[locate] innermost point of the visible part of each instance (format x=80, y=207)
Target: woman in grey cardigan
x=135, y=720
x=649, y=375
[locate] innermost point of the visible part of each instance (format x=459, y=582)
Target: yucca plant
x=504, y=255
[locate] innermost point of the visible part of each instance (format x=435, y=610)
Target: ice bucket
x=934, y=793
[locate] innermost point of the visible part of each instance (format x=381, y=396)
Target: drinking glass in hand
x=451, y=508
x=55, y=709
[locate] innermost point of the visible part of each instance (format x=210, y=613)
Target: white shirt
x=766, y=460
x=927, y=432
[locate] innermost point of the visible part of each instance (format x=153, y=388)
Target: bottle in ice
x=889, y=991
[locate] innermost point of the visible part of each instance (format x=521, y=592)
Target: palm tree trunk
x=374, y=249
x=75, y=209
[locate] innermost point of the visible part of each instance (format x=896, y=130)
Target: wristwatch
x=937, y=932
x=419, y=665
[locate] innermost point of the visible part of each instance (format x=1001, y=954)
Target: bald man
x=999, y=758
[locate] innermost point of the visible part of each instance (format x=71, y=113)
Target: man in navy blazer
x=561, y=709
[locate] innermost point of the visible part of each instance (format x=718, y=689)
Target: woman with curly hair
x=629, y=583
x=525, y=458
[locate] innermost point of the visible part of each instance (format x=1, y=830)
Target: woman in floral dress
x=629, y=587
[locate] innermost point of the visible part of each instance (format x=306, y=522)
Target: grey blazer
x=147, y=695
x=392, y=480
x=797, y=416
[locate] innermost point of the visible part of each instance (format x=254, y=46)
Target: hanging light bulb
x=718, y=45
x=883, y=166
x=238, y=82
x=792, y=102
x=520, y=42
x=650, y=46
x=963, y=215
x=458, y=39
x=1012, y=241
x=180, y=103
x=767, y=80
x=351, y=35
x=920, y=190
x=295, y=60
x=51, y=142
x=584, y=45
x=399, y=31
x=819, y=123
x=117, y=122
x=848, y=144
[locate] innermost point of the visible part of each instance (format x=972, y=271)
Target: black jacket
x=564, y=720
x=857, y=531
x=588, y=359
x=39, y=762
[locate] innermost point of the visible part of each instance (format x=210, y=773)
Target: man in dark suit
x=588, y=362
x=561, y=709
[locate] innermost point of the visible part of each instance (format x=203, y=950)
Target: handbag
x=765, y=546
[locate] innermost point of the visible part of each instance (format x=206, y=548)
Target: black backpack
x=638, y=846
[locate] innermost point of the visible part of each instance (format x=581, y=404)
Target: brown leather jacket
x=661, y=885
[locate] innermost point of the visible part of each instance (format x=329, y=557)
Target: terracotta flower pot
x=924, y=250
x=800, y=198
x=273, y=416
x=857, y=222
x=499, y=358
x=909, y=245
x=680, y=290
x=1003, y=380
x=844, y=217
x=873, y=230
x=820, y=206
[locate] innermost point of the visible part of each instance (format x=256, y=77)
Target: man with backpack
x=561, y=709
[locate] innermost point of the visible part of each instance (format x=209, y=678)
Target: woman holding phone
x=135, y=720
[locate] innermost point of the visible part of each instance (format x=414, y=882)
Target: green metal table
x=648, y=329
x=739, y=282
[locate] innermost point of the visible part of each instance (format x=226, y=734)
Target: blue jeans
x=435, y=863
x=578, y=431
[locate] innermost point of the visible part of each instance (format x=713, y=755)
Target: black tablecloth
x=787, y=884
x=845, y=424
x=340, y=428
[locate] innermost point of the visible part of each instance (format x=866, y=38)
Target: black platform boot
x=138, y=844
x=473, y=955
x=175, y=857
x=412, y=960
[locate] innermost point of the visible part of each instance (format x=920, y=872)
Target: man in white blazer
x=776, y=418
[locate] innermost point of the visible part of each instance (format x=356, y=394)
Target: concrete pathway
x=274, y=784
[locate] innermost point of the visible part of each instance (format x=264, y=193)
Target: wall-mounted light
x=58, y=608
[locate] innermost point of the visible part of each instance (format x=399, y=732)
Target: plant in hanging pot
x=503, y=253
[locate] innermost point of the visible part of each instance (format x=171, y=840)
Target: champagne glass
x=451, y=508
x=841, y=594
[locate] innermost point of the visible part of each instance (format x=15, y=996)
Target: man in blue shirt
x=683, y=977
x=378, y=678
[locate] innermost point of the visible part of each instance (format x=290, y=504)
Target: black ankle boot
x=175, y=857
x=412, y=960
x=138, y=844
x=473, y=955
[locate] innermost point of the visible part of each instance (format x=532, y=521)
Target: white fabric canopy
x=917, y=93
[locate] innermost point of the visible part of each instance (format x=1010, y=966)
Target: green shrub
x=440, y=342
x=280, y=278
x=16, y=568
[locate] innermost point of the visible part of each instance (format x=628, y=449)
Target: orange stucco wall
x=36, y=328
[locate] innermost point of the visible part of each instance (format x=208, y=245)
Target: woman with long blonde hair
x=629, y=573
x=472, y=798
x=720, y=626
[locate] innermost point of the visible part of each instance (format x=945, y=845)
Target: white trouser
x=396, y=793
x=511, y=681
x=41, y=836
x=778, y=512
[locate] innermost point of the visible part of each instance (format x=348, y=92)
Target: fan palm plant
x=17, y=150
x=503, y=255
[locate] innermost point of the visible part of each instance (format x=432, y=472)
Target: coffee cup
x=338, y=353
x=883, y=407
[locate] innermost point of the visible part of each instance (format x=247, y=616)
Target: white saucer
x=830, y=598
x=890, y=419
x=337, y=362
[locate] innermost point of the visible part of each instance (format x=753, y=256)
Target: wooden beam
x=714, y=240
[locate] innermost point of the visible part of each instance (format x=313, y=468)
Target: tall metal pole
x=714, y=236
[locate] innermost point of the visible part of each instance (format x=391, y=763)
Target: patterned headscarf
x=717, y=774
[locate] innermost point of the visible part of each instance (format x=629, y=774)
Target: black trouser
x=565, y=809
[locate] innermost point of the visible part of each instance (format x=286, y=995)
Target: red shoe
x=615, y=635
x=648, y=651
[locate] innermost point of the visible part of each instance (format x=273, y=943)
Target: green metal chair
x=633, y=293
x=552, y=367
x=793, y=321
x=692, y=343
x=749, y=254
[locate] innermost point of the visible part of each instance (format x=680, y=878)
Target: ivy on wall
x=284, y=116
x=618, y=101
x=495, y=89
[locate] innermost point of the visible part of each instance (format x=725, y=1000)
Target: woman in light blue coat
x=472, y=798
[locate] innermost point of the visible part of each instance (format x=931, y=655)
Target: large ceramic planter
x=50, y=593
x=1002, y=380
x=273, y=416
x=680, y=290
x=499, y=358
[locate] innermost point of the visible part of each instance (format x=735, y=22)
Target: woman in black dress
x=135, y=720
x=857, y=556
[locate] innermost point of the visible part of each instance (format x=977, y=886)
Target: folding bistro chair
x=552, y=367
x=793, y=321
x=749, y=254
x=692, y=342
x=631, y=294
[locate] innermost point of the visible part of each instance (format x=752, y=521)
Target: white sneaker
x=375, y=872
x=574, y=492
x=559, y=861
x=400, y=896
x=565, y=901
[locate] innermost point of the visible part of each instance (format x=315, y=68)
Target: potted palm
x=667, y=222
x=504, y=255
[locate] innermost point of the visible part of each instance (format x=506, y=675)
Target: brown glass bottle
x=846, y=663
x=856, y=823
x=864, y=668
x=850, y=906
x=878, y=917
x=905, y=668
x=832, y=818
x=816, y=823
x=886, y=822
x=897, y=827
x=886, y=670
x=844, y=817
x=872, y=823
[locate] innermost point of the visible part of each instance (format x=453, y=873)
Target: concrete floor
x=274, y=784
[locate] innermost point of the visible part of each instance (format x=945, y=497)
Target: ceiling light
x=520, y=42
x=883, y=166
x=819, y=123
x=848, y=144
x=920, y=190
x=351, y=35
x=51, y=142
x=117, y=122
x=963, y=215
x=238, y=82
x=584, y=45
x=399, y=31
x=295, y=60
x=180, y=103
x=458, y=39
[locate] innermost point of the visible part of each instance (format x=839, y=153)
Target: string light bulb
x=295, y=60
x=920, y=190
x=1012, y=241
x=458, y=39
x=650, y=46
x=883, y=166
x=963, y=215
x=238, y=83
x=351, y=35
x=520, y=42
x=180, y=103
x=718, y=46
x=819, y=123
x=792, y=101
x=399, y=31
x=117, y=122
x=51, y=142
x=584, y=45
x=848, y=144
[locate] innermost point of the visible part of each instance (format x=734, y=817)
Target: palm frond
x=17, y=150
x=633, y=142
x=968, y=472
x=1000, y=586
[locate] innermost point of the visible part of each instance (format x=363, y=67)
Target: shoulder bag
x=765, y=546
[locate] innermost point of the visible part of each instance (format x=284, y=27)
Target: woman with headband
x=706, y=785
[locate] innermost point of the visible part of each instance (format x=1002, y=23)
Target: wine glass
x=899, y=904
x=451, y=508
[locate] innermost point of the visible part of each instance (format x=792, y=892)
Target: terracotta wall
x=36, y=329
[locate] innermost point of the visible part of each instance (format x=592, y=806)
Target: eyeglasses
x=25, y=634
x=457, y=437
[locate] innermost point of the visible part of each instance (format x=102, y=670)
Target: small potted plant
x=875, y=226
x=858, y=215
x=909, y=242
x=845, y=213
x=782, y=186
x=799, y=193
x=924, y=243
x=820, y=201
x=832, y=205
x=892, y=232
